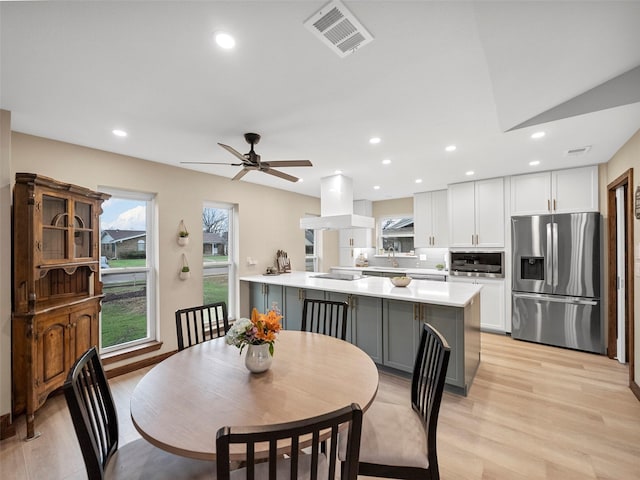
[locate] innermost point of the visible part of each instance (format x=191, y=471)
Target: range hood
x=336, y=207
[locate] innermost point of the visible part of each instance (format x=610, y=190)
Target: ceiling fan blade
x=215, y=163
x=276, y=173
x=289, y=163
x=233, y=151
x=241, y=174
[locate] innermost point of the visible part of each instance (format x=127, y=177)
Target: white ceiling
x=437, y=73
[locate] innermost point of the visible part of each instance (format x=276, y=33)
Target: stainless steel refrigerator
x=556, y=280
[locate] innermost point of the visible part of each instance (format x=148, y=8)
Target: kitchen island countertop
x=421, y=291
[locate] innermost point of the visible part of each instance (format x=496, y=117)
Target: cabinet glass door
x=83, y=232
x=55, y=224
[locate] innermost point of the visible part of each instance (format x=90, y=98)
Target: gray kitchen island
x=385, y=321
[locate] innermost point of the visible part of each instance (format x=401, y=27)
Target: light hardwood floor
x=533, y=412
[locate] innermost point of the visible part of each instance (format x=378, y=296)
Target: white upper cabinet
x=476, y=213
x=356, y=237
x=430, y=219
x=559, y=191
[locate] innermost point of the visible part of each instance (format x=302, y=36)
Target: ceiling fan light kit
x=252, y=161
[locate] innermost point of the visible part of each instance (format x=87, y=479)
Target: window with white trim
x=311, y=239
x=128, y=273
x=396, y=232
x=218, y=264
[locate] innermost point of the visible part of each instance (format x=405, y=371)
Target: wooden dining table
x=180, y=404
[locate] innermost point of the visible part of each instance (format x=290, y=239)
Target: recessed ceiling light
x=376, y=187
x=338, y=172
x=533, y=163
x=224, y=40
x=119, y=133
x=470, y=172
x=450, y=148
x=300, y=180
x=374, y=140
x=418, y=180
x=537, y=135
x=386, y=161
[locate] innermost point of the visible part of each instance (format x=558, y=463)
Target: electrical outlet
x=423, y=257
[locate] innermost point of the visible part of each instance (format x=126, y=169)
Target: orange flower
x=267, y=325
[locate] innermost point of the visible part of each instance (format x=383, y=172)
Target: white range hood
x=336, y=207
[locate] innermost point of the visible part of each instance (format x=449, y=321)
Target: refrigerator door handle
x=549, y=253
x=555, y=254
x=554, y=298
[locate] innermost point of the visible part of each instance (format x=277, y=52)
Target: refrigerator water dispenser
x=532, y=268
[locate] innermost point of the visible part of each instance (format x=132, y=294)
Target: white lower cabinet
x=492, y=301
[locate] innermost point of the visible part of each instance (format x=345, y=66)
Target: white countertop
x=422, y=291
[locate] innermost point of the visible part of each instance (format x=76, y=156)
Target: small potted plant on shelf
x=439, y=266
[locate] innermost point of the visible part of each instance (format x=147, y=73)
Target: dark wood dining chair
x=290, y=439
x=399, y=441
x=197, y=324
x=326, y=317
x=96, y=424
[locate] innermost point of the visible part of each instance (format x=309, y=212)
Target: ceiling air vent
x=574, y=152
x=338, y=28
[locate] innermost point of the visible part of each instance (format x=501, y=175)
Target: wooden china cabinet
x=56, y=285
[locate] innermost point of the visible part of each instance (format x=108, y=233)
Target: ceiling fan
x=251, y=161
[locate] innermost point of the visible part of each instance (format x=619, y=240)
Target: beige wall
x=5, y=262
x=268, y=219
x=397, y=206
x=629, y=157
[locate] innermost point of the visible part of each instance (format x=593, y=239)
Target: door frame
x=624, y=180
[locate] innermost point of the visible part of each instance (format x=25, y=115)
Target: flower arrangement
x=261, y=328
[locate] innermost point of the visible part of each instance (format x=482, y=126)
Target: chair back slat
x=326, y=317
x=197, y=324
x=427, y=386
x=92, y=411
x=294, y=435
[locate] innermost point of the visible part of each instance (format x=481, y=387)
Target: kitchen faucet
x=392, y=259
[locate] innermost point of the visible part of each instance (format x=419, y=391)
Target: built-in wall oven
x=477, y=264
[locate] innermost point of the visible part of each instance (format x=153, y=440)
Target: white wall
x=268, y=221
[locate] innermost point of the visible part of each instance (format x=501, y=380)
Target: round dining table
x=180, y=404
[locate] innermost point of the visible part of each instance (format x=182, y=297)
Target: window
x=126, y=235
x=310, y=250
x=397, y=233
x=218, y=255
